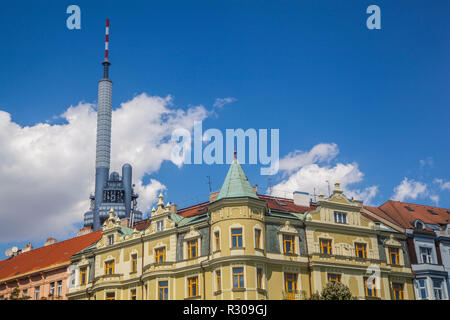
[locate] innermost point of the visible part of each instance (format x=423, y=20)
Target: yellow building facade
x=351, y=247
x=240, y=246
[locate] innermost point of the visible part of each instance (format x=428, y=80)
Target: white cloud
x=220, y=102
x=443, y=185
x=435, y=199
x=322, y=152
x=47, y=170
x=409, y=189
x=309, y=171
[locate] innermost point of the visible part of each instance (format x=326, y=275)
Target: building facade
x=428, y=238
x=42, y=273
x=241, y=245
x=362, y=251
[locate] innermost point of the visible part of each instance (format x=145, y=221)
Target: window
x=133, y=262
x=160, y=225
x=236, y=238
x=217, y=240
x=238, y=278
x=340, y=217
x=422, y=287
x=133, y=294
x=83, y=275
x=110, y=296
x=257, y=239
x=109, y=267
x=52, y=288
x=192, y=249
x=59, y=289
x=24, y=293
x=361, y=250
x=289, y=244
x=437, y=288
x=111, y=240
x=394, y=257
x=425, y=253
x=259, y=275
x=218, y=280
x=370, y=288
x=290, y=285
x=36, y=293
x=397, y=289
x=160, y=255
x=192, y=287
x=325, y=246
x=163, y=289
x=334, y=278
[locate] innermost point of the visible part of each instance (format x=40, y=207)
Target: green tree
x=333, y=291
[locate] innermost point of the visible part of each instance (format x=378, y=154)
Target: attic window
x=432, y=212
x=409, y=208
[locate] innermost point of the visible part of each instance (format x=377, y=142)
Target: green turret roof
x=236, y=184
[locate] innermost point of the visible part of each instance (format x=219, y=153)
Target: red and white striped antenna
x=106, y=62
x=106, y=39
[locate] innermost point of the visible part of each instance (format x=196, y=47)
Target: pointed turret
x=236, y=184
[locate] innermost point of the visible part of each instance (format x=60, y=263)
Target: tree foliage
x=333, y=291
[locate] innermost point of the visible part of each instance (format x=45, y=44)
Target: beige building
x=239, y=245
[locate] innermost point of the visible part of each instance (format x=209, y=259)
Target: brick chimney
x=49, y=241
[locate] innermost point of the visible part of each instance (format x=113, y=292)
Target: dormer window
x=420, y=225
x=110, y=240
x=340, y=217
x=160, y=225
x=425, y=254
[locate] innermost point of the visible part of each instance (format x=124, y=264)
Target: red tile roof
x=399, y=212
x=284, y=204
x=194, y=210
x=380, y=213
x=46, y=257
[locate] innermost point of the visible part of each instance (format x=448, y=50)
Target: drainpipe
x=142, y=266
x=309, y=262
x=209, y=253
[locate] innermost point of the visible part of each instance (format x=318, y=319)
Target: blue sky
x=309, y=68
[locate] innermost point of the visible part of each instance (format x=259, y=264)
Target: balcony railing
x=293, y=295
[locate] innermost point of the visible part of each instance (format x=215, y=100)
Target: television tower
x=111, y=190
x=103, y=147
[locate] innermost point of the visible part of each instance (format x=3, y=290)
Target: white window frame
x=160, y=225
x=340, y=217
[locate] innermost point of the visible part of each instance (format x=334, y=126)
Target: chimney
x=84, y=231
x=301, y=199
x=28, y=247
x=49, y=241
x=213, y=196
x=255, y=188
x=174, y=208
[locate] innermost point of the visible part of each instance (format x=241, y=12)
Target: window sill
x=238, y=289
x=261, y=291
x=290, y=254
x=192, y=298
x=217, y=292
x=237, y=248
